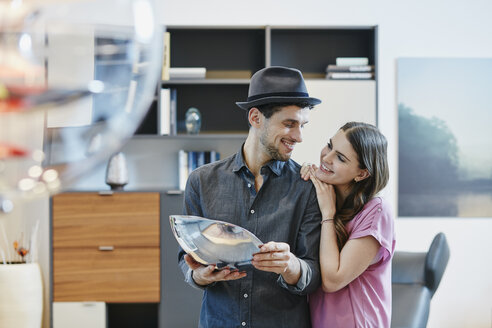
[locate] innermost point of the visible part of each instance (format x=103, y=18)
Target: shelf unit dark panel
x=129, y=315
x=149, y=123
x=216, y=104
x=218, y=49
x=311, y=50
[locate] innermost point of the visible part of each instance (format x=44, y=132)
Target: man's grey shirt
x=285, y=209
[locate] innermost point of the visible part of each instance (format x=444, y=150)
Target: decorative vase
x=21, y=295
x=193, y=120
x=117, y=172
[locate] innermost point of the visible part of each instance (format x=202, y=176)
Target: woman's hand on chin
x=327, y=198
x=306, y=170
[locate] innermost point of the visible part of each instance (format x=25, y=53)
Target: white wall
x=406, y=29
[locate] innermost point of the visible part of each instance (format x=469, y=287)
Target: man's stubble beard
x=271, y=149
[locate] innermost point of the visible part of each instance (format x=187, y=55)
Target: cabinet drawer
x=123, y=275
x=92, y=220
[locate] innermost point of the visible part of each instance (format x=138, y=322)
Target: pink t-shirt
x=366, y=301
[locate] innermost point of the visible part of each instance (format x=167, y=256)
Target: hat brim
x=275, y=100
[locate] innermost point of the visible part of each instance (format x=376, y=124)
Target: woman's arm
x=338, y=269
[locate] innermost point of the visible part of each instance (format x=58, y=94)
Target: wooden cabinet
x=106, y=247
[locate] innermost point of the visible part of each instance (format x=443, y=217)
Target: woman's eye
x=341, y=158
x=329, y=145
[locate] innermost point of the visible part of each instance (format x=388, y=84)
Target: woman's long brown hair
x=371, y=148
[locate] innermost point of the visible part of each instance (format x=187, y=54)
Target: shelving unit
x=245, y=50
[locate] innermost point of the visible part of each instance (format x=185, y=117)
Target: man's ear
x=363, y=174
x=255, y=117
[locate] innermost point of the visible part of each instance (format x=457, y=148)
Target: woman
x=357, y=237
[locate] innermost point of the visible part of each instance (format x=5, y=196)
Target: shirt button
x=252, y=211
x=245, y=295
x=249, y=185
x=379, y=209
x=243, y=323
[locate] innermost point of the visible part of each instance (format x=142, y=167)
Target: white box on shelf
x=79, y=314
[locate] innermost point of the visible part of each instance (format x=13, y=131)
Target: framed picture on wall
x=445, y=137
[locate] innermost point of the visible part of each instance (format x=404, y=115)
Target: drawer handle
x=106, y=248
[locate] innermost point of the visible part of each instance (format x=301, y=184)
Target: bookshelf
x=231, y=54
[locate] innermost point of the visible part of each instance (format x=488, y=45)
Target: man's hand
x=205, y=275
x=276, y=257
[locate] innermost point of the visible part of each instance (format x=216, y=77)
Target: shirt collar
x=275, y=166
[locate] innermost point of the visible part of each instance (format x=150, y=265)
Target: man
x=259, y=188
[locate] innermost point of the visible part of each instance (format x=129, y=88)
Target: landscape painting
x=445, y=137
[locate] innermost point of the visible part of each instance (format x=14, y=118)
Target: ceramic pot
x=21, y=295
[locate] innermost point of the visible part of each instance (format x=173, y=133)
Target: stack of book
x=190, y=160
x=350, y=68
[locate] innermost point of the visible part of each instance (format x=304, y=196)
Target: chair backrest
x=415, y=278
x=436, y=261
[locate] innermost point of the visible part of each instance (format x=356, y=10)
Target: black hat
x=277, y=84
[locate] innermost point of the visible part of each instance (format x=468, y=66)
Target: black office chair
x=416, y=277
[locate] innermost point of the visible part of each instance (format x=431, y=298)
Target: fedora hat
x=277, y=84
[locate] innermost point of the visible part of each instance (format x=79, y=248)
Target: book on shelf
x=164, y=113
x=183, y=168
x=187, y=72
x=174, y=114
x=166, y=56
x=349, y=76
x=189, y=160
x=228, y=74
x=312, y=75
x=351, y=61
x=166, y=116
x=350, y=68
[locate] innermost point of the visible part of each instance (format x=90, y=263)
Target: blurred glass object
x=76, y=79
x=214, y=242
x=193, y=120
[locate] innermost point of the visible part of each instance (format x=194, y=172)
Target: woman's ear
x=363, y=174
x=254, y=117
